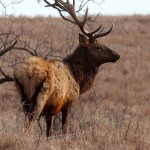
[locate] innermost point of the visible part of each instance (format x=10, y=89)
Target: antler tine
x=103, y=34
x=55, y=5
x=85, y=16
x=82, y=23
x=93, y=32
x=71, y=10
x=60, y=5
x=73, y=2
x=68, y=7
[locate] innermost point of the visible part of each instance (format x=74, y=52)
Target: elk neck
x=83, y=67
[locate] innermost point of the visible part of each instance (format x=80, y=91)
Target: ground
x=114, y=114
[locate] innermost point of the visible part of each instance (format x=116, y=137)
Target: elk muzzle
x=115, y=57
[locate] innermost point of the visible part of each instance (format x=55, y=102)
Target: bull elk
x=50, y=87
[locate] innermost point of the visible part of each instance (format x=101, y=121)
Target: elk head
x=88, y=40
x=100, y=53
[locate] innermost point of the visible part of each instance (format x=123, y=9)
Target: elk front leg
x=49, y=123
x=65, y=117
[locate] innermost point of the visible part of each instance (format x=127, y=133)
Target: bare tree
x=12, y=43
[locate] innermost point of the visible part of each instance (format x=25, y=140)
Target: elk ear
x=82, y=39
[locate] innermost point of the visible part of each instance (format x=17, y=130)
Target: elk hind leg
x=65, y=118
x=24, y=100
x=36, y=108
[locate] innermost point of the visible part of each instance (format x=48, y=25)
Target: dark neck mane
x=83, y=67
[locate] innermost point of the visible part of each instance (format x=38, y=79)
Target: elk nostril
x=115, y=57
x=118, y=56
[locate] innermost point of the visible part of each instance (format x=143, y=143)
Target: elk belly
x=53, y=106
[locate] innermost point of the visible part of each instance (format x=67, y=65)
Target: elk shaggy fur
x=48, y=87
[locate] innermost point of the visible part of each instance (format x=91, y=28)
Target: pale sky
x=108, y=7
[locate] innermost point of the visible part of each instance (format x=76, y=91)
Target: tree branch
x=7, y=49
x=25, y=49
x=6, y=78
x=3, y=80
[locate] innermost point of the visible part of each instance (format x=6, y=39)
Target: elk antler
x=62, y=6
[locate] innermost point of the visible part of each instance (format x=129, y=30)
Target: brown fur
x=49, y=87
x=84, y=70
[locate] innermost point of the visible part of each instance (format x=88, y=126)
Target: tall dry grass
x=113, y=115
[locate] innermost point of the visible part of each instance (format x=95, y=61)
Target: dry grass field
x=113, y=115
